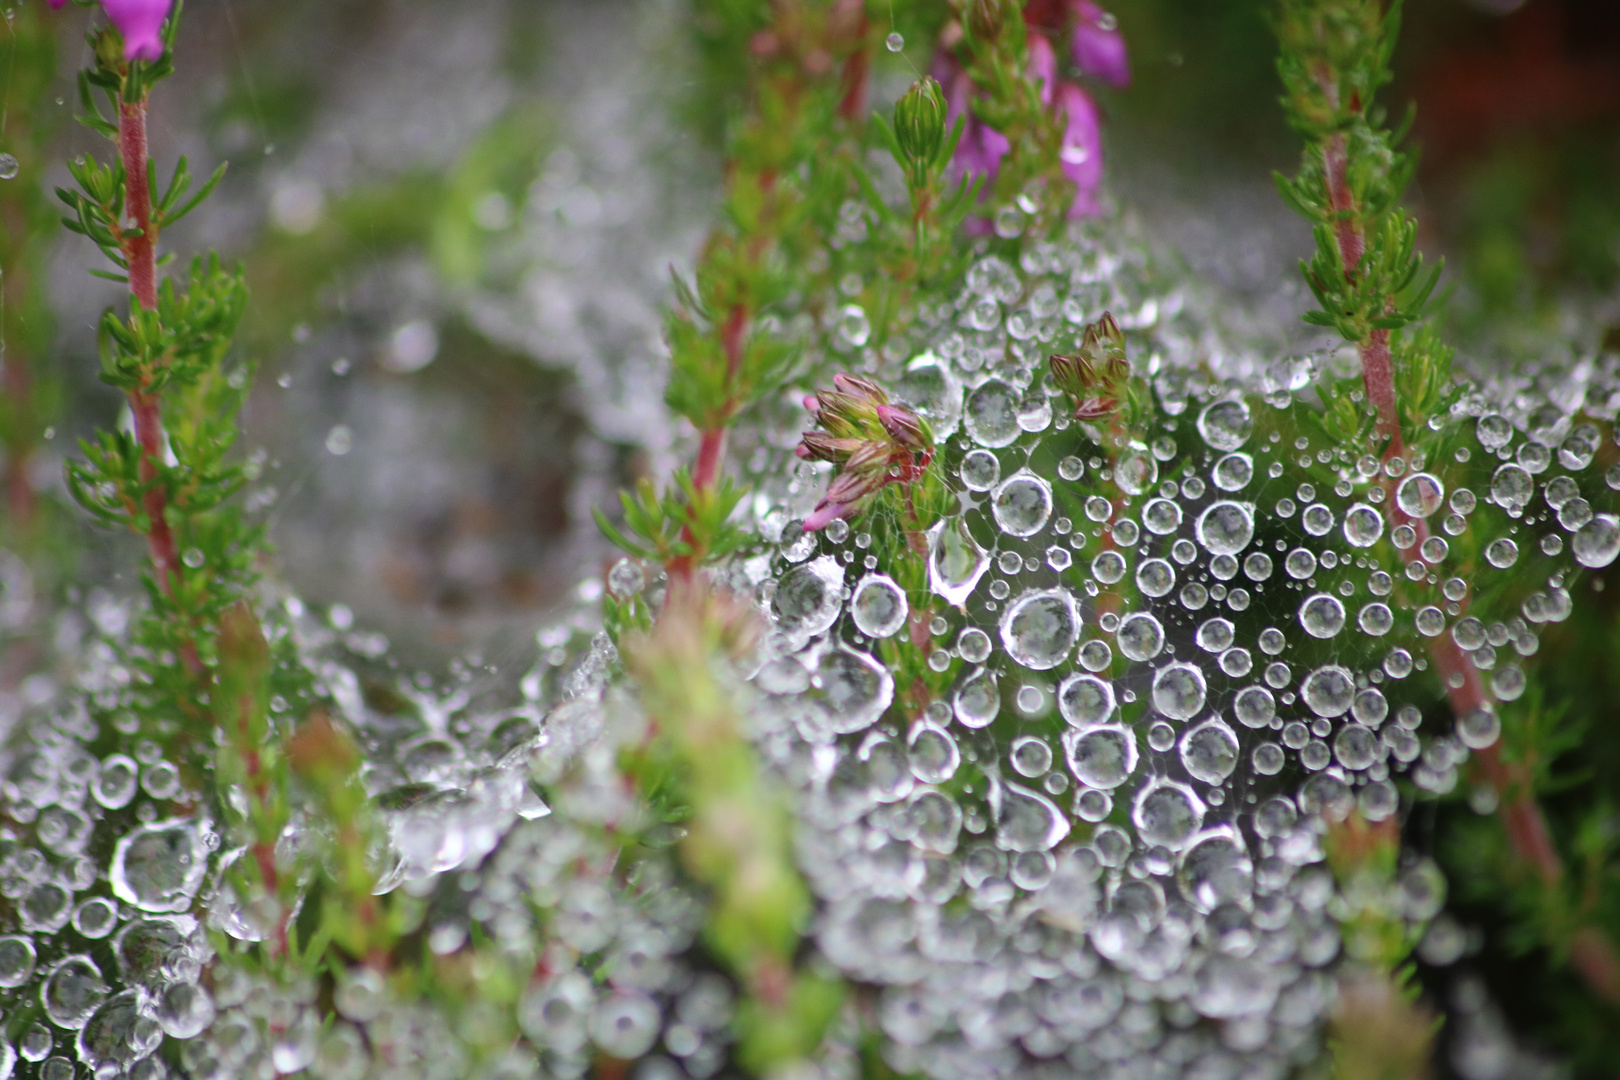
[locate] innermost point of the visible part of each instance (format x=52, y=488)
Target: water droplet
x=808, y=598
x=1136, y=471
x=895, y=41
x=878, y=606
x=978, y=700
x=855, y=689
x=1215, y=635
x=1161, y=517
x=116, y=782
x=1511, y=488
x=1225, y=425
x=973, y=645
x=1108, y=567
x=9, y=167
x=1478, y=729
x=1376, y=619
x=1168, y=813
x=1178, y=691
x=159, y=867
x=1316, y=519
x=956, y=562
x=72, y=992
x=1022, y=504
x=1027, y=821
x=980, y=470
x=1363, y=525
x=853, y=327
x=1254, y=707
x=16, y=960
x=1493, y=431
x=118, y=1033
x=1040, y=628
x=991, y=415
x=1355, y=748
x=1216, y=869
x=1321, y=615
x=626, y=579
x=1155, y=577
x=1233, y=472
x=1502, y=553
x=1030, y=756
x=1598, y=542
x=1085, y=700
x=1209, y=752
x=1420, y=495
x=933, y=754
x=1139, y=636
x=1101, y=757
x=1328, y=690
x=625, y=1024
x=1225, y=528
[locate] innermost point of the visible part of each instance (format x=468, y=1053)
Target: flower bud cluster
x=872, y=442
x=1095, y=376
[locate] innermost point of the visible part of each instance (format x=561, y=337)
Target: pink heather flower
x=139, y=22
x=982, y=147
x=1099, y=47
x=1043, y=66
x=1081, y=153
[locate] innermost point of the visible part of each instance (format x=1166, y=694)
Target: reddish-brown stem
x=140, y=243
x=1377, y=367
x=139, y=247
x=711, y=454
x=140, y=252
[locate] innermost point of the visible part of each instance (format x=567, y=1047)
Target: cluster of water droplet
x=1175, y=660
x=1169, y=661
x=104, y=851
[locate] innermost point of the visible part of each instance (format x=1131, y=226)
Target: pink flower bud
x=141, y=24
x=1081, y=153
x=1043, y=66
x=1099, y=47
x=855, y=386
x=906, y=428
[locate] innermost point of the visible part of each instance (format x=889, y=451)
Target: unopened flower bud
x=857, y=386
x=919, y=121
x=1095, y=377
x=906, y=428
x=985, y=19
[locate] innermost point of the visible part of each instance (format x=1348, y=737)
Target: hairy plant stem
x=1591, y=952
x=140, y=252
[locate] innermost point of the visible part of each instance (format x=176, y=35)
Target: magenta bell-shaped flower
x=139, y=22
x=1098, y=46
x=1081, y=152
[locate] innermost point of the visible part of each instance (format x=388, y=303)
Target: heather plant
x=1025, y=677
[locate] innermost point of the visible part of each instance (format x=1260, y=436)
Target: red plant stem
x=1591, y=952
x=140, y=252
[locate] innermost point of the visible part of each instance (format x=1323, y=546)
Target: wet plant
x=1024, y=677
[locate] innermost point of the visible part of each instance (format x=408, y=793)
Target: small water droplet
x=9, y=167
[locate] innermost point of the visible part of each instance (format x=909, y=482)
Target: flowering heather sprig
x=1095, y=377
x=872, y=441
x=1098, y=51
x=139, y=22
